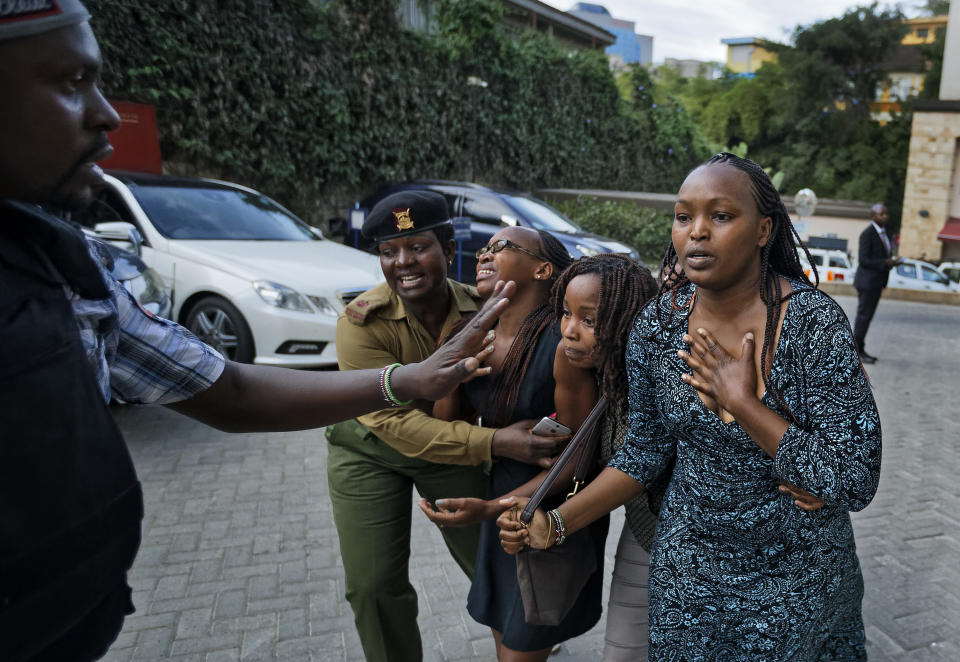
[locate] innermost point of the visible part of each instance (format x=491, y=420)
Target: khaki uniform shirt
x=376, y=331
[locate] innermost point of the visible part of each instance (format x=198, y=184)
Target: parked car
x=489, y=210
x=918, y=275
x=833, y=266
x=248, y=277
x=140, y=280
x=952, y=270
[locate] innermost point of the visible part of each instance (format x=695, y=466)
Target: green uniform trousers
x=371, y=490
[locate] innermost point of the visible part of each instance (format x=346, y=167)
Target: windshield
x=218, y=213
x=541, y=216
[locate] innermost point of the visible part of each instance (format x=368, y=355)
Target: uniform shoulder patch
x=360, y=308
x=472, y=292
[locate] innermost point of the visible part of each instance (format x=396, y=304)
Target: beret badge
x=401, y=218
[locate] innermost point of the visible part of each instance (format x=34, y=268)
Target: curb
x=900, y=294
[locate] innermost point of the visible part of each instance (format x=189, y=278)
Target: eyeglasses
x=498, y=246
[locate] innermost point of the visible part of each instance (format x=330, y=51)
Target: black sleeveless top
x=494, y=598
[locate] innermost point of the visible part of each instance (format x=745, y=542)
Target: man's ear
x=766, y=227
x=450, y=251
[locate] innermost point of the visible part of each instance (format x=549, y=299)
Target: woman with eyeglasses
x=376, y=461
x=521, y=386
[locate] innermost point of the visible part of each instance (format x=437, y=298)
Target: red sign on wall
x=136, y=143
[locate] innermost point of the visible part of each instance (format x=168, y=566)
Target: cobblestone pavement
x=240, y=558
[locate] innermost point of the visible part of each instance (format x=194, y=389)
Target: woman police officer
x=376, y=460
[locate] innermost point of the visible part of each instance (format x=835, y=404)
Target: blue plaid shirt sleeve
x=141, y=358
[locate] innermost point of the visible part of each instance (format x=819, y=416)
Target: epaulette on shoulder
x=371, y=300
x=472, y=292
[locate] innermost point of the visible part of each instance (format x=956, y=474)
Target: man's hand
x=457, y=360
x=517, y=442
x=460, y=512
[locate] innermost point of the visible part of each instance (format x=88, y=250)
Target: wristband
x=557, y=520
x=385, y=386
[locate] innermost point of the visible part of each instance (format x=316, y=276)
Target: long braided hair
x=625, y=288
x=778, y=257
x=506, y=386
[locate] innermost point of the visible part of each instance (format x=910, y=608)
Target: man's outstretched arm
x=248, y=398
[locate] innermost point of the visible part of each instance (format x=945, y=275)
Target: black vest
x=70, y=503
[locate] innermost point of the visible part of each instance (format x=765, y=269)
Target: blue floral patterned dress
x=738, y=571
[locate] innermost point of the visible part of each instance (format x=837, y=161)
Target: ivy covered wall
x=317, y=104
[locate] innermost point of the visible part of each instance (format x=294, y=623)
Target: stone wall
x=933, y=158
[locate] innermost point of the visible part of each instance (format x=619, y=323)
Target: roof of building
x=565, y=19
x=927, y=20
x=590, y=7
x=748, y=41
x=904, y=58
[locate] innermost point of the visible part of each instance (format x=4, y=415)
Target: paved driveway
x=240, y=558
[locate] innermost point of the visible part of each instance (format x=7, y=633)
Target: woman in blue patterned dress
x=738, y=572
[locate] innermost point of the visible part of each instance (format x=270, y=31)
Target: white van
x=833, y=266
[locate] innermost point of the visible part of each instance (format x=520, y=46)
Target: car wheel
x=218, y=323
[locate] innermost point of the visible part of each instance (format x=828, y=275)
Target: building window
x=922, y=33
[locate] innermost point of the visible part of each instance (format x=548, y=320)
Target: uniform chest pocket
x=34, y=332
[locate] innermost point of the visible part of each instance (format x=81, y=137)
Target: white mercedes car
x=248, y=277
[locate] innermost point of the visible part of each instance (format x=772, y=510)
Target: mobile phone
x=549, y=427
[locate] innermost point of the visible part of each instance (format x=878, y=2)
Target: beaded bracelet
x=385, y=389
x=550, y=531
x=558, y=524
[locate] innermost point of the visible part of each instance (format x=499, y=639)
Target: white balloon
x=805, y=202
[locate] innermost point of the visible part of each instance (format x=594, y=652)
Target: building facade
x=694, y=68
x=629, y=47
x=906, y=67
x=570, y=30
x=931, y=199
x=745, y=55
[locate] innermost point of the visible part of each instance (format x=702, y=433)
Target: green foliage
x=806, y=117
x=646, y=229
x=319, y=103
x=933, y=57
x=776, y=178
x=837, y=60
x=936, y=7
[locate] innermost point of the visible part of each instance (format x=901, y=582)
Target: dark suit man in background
x=873, y=269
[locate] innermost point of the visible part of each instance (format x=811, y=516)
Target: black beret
x=406, y=212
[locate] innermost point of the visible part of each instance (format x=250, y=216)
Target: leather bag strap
x=586, y=438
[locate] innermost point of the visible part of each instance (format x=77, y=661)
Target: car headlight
x=588, y=251
x=282, y=296
x=323, y=305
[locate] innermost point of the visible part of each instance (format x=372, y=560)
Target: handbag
x=551, y=579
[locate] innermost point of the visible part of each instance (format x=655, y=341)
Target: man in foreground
x=71, y=337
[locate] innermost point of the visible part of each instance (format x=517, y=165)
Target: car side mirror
x=120, y=231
